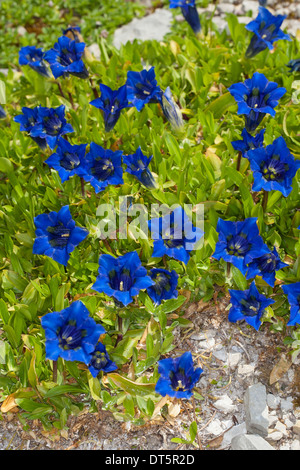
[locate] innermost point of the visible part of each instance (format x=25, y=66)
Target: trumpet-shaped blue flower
x=102, y=167
x=137, y=165
x=239, y=243
x=34, y=57
x=274, y=167
x=190, y=13
x=142, y=88
x=100, y=360
x=178, y=376
x=266, y=267
x=65, y=58
x=57, y=235
x=294, y=65
x=248, y=305
x=122, y=277
x=256, y=97
x=266, y=29
x=174, y=235
x=67, y=160
x=165, y=285
x=2, y=113
x=111, y=102
x=293, y=293
x=171, y=110
x=48, y=124
x=71, y=333
x=73, y=32
x=249, y=142
x=27, y=121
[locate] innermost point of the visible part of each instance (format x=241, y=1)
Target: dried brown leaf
x=280, y=369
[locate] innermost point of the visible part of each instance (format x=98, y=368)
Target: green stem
x=228, y=269
x=265, y=200
x=94, y=89
x=195, y=419
x=238, y=163
x=120, y=326
x=60, y=90
x=82, y=187
x=71, y=99
x=55, y=371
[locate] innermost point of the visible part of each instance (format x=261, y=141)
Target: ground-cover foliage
x=63, y=282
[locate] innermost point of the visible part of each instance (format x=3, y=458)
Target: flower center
x=66, y=57
x=238, y=245
x=52, y=124
x=274, y=169
x=256, y=99
x=267, y=32
x=102, y=169
x=162, y=282
x=171, y=241
x=251, y=307
x=69, y=161
x=143, y=90
x=70, y=337
x=58, y=236
x=99, y=360
x=179, y=381
x=120, y=280
x=267, y=263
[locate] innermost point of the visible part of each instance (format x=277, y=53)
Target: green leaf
x=62, y=390
x=193, y=430
x=239, y=278
x=4, y=311
x=5, y=165
x=220, y=105
x=133, y=388
x=95, y=388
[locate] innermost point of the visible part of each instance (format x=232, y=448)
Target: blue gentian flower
x=266, y=267
x=111, y=102
x=50, y=125
x=65, y=58
x=293, y=293
x=266, y=29
x=174, y=235
x=71, y=333
x=274, y=167
x=137, y=165
x=102, y=167
x=2, y=113
x=294, y=65
x=171, y=110
x=256, y=97
x=239, y=243
x=177, y=376
x=249, y=142
x=122, y=277
x=27, y=121
x=263, y=3
x=57, y=235
x=100, y=361
x=142, y=88
x=248, y=305
x=190, y=13
x=74, y=31
x=34, y=57
x=67, y=160
x=165, y=285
